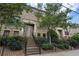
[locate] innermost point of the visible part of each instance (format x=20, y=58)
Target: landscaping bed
x=72, y=42
x=12, y=43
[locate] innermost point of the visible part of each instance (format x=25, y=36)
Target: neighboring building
x=73, y=31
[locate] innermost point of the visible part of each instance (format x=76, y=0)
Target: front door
x=30, y=40
x=30, y=30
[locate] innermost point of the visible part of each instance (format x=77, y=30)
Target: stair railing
x=37, y=43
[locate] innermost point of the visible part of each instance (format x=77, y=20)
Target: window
x=16, y=33
x=38, y=34
x=44, y=35
x=6, y=33
x=5, y=27
x=66, y=33
x=60, y=32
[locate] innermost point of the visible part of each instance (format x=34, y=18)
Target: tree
x=10, y=15
x=54, y=17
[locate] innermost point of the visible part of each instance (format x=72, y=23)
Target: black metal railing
x=25, y=45
x=37, y=42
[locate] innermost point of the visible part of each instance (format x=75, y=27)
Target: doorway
x=29, y=31
x=60, y=33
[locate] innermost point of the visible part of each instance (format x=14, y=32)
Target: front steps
x=32, y=50
x=31, y=43
x=32, y=47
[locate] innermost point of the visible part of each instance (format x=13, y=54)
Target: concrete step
x=33, y=53
x=32, y=47
x=32, y=50
x=31, y=43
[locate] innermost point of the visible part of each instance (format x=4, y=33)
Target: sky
x=72, y=6
x=75, y=7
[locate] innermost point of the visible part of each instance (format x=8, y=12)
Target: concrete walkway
x=63, y=53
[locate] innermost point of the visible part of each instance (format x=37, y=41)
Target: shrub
x=67, y=46
x=73, y=43
x=53, y=35
x=15, y=43
x=42, y=40
x=47, y=46
x=75, y=37
x=19, y=38
x=63, y=44
x=4, y=41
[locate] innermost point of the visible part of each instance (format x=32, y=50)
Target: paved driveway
x=63, y=53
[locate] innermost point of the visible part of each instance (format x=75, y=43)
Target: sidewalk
x=0, y=50
x=63, y=53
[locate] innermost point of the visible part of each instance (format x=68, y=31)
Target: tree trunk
x=50, y=40
x=25, y=41
x=49, y=37
x=0, y=28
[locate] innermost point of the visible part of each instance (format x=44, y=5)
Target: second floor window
x=6, y=33
x=66, y=33
x=16, y=33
